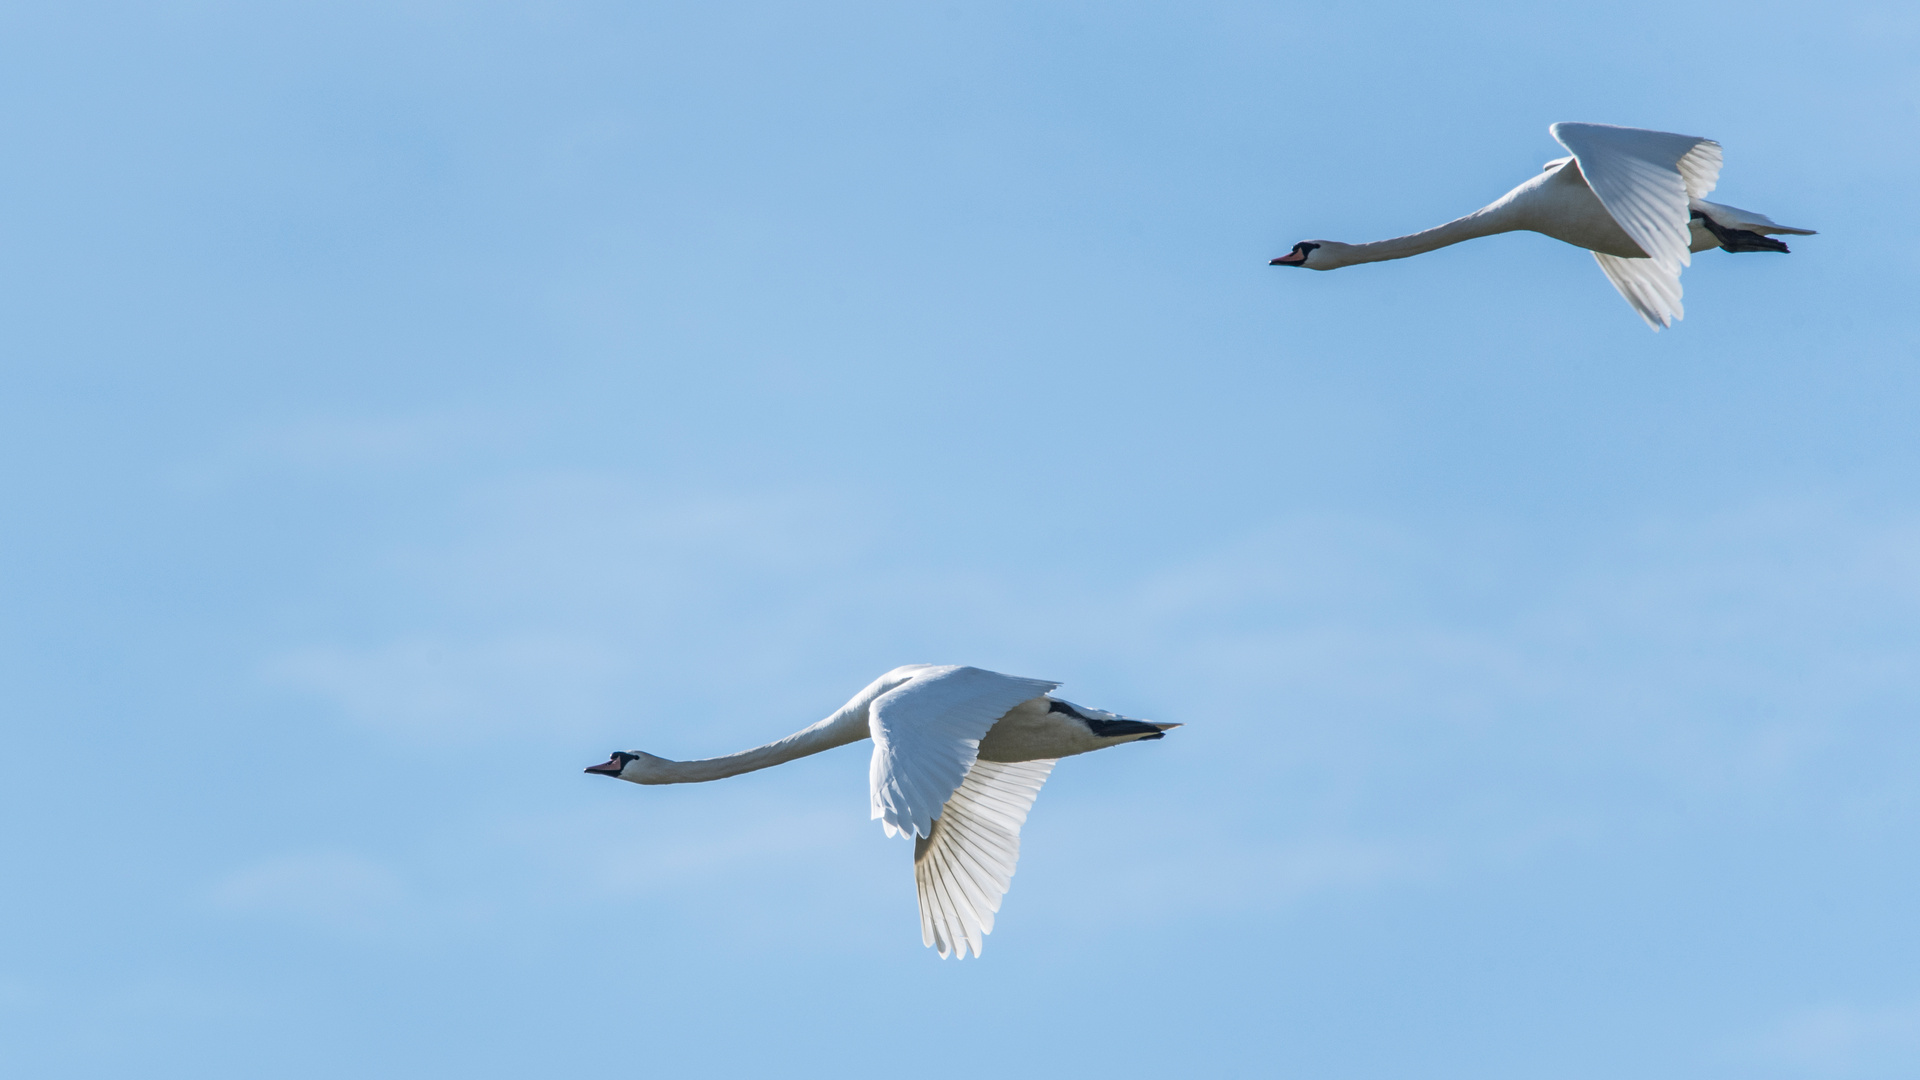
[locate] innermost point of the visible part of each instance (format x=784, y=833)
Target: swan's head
x=636, y=767
x=1315, y=255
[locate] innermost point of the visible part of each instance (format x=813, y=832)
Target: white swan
x=958, y=756
x=1632, y=197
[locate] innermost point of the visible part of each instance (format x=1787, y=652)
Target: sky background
x=405, y=404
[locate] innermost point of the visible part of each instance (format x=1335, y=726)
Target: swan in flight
x=959, y=754
x=1635, y=198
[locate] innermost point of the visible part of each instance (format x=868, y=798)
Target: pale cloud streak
x=339, y=891
x=1401, y=703
x=1841, y=1040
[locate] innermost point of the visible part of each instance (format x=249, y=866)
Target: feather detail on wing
x=926, y=735
x=965, y=866
x=1652, y=288
x=1645, y=179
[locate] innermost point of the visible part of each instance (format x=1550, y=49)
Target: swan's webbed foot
x=1739, y=239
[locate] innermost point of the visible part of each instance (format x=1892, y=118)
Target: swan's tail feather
x=1732, y=239
x=1742, y=240
x=1108, y=725
x=1732, y=217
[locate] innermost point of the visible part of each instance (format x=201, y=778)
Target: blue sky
x=407, y=403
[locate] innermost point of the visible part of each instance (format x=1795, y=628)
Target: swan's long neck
x=1484, y=222
x=849, y=725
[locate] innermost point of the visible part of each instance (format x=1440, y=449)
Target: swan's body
x=1635, y=198
x=959, y=755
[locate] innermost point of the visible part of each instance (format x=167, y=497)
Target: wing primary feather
x=1652, y=290
x=981, y=882
x=943, y=880
x=957, y=882
x=964, y=867
x=969, y=839
x=946, y=919
x=935, y=905
x=961, y=875
x=991, y=859
x=926, y=913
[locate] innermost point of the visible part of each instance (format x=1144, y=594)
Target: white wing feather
x=966, y=866
x=1645, y=179
x=1652, y=289
x=926, y=735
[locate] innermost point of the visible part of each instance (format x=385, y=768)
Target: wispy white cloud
x=570, y=593
x=435, y=687
x=1754, y=630
x=348, y=445
x=1842, y=1040
x=630, y=851
x=170, y=997
x=1371, y=705
x=1235, y=873
x=331, y=890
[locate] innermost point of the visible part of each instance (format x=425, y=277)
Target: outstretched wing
x=965, y=867
x=926, y=735
x=1652, y=289
x=1646, y=180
